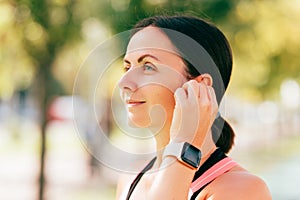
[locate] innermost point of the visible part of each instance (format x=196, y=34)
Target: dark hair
x=213, y=42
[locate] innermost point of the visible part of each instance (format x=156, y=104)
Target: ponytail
x=223, y=134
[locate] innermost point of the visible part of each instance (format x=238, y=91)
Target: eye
x=148, y=68
x=126, y=68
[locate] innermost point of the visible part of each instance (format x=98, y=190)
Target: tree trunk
x=44, y=97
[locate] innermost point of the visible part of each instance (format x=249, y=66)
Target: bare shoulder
x=123, y=181
x=237, y=184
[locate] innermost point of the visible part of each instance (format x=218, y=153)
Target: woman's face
x=153, y=71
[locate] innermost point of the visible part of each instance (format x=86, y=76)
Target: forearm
x=172, y=181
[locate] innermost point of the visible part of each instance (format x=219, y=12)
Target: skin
x=159, y=96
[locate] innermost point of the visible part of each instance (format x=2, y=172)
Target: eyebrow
x=140, y=59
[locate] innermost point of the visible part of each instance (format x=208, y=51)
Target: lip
x=132, y=102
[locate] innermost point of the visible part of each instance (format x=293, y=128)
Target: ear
x=206, y=78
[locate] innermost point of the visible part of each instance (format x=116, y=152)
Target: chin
x=138, y=122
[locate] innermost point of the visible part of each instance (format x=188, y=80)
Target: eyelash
x=126, y=68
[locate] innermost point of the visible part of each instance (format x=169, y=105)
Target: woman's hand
x=194, y=113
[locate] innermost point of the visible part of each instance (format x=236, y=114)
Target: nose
x=127, y=83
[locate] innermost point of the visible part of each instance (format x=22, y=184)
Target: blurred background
x=44, y=42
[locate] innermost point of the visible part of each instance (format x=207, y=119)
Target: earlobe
x=206, y=78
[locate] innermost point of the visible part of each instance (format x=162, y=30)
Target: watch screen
x=191, y=155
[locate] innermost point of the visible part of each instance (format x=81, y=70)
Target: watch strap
x=173, y=149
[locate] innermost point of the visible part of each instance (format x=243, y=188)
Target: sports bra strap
x=139, y=176
x=217, y=164
x=212, y=173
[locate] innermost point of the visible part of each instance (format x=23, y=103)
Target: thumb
x=179, y=95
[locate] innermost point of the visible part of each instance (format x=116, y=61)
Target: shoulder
x=126, y=179
x=123, y=183
x=237, y=184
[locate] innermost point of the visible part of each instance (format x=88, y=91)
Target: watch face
x=191, y=155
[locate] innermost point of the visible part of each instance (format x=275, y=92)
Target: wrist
x=184, y=152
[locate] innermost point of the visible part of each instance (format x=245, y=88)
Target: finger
x=212, y=94
x=193, y=90
x=180, y=95
x=213, y=100
x=185, y=88
x=203, y=91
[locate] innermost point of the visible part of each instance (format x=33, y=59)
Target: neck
x=162, y=139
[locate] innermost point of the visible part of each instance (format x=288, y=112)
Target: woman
x=177, y=70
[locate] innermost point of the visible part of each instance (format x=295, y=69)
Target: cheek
x=158, y=109
x=158, y=95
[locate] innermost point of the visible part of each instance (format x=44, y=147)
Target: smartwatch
x=185, y=153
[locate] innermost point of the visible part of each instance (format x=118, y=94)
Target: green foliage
x=55, y=20
x=122, y=15
x=264, y=36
